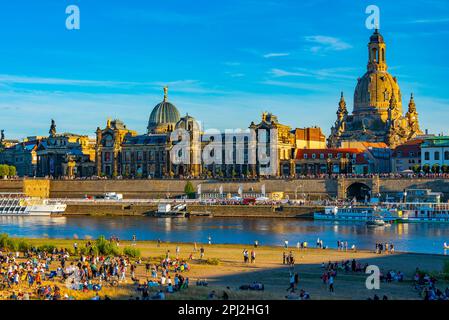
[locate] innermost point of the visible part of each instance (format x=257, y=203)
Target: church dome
x=376, y=88
x=188, y=123
x=374, y=91
x=164, y=116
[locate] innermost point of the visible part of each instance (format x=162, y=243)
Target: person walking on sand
x=283, y=257
x=292, y=283
x=253, y=256
x=177, y=251
x=245, y=256
x=201, y=253
x=331, y=284
x=209, y=240
x=194, y=247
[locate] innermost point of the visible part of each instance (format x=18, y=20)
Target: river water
x=423, y=238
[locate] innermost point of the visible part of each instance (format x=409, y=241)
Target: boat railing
x=414, y=206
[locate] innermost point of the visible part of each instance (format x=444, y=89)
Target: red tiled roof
x=408, y=147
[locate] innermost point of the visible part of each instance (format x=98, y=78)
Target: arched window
x=446, y=155
x=374, y=54
x=383, y=55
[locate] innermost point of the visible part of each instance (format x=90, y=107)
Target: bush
x=92, y=250
x=46, y=248
x=4, y=170
x=189, y=190
x=13, y=244
x=3, y=240
x=106, y=247
x=24, y=246
x=12, y=171
x=132, y=252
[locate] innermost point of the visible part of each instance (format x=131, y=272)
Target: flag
x=199, y=189
x=263, y=189
x=240, y=191
x=221, y=189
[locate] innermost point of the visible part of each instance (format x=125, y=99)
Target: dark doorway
x=360, y=191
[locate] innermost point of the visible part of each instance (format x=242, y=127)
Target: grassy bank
x=224, y=269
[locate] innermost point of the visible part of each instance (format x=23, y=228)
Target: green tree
x=436, y=168
x=189, y=190
x=426, y=168
x=12, y=171
x=445, y=168
x=4, y=170
x=416, y=168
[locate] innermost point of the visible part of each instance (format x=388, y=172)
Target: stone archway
x=358, y=190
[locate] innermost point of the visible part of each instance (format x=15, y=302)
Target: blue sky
x=225, y=61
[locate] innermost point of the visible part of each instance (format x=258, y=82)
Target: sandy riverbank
x=232, y=272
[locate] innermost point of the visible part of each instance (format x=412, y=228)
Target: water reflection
x=406, y=237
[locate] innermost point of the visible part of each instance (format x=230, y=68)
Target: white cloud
x=235, y=74
x=429, y=21
x=276, y=54
x=184, y=86
x=14, y=79
x=283, y=73
x=326, y=43
x=330, y=73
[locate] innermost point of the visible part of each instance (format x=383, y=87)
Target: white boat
x=355, y=214
x=376, y=222
x=165, y=210
x=18, y=204
x=421, y=212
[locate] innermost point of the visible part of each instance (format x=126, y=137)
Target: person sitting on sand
x=159, y=296
x=304, y=295
x=212, y=295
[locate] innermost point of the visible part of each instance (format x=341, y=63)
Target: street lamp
x=405, y=196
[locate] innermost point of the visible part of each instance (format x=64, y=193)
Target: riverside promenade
x=313, y=188
x=142, y=207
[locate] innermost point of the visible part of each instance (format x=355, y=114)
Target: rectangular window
x=427, y=156
x=437, y=155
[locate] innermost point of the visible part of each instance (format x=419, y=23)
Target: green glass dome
x=164, y=115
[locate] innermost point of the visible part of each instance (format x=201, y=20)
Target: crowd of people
x=384, y=248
